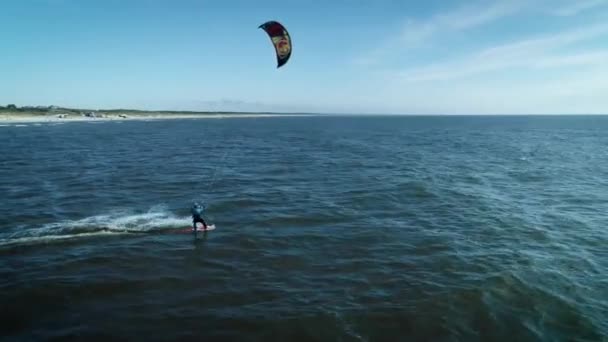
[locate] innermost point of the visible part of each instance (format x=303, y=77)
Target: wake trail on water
x=156, y=220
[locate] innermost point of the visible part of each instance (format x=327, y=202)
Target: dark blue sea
x=338, y=228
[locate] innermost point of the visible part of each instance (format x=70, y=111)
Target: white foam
x=34, y=240
x=121, y=222
x=124, y=221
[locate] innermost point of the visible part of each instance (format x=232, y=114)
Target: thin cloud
x=563, y=71
x=570, y=93
x=416, y=32
x=463, y=18
x=533, y=53
x=578, y=6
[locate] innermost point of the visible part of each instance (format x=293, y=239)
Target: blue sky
x=381, y=56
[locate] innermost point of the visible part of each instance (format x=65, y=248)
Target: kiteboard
x=190, y=230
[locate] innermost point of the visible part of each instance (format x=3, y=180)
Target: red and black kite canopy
x=280, y=39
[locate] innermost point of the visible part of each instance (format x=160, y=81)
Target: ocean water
x=328, y=229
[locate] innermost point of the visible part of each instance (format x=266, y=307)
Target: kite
x=280, y=39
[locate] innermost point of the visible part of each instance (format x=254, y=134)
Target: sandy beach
x=33, y=118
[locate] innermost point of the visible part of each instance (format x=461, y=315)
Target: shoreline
x=33, y=118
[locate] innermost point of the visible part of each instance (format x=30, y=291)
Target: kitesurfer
x=197, y=216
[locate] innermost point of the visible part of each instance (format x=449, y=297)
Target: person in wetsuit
x=197, y=216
